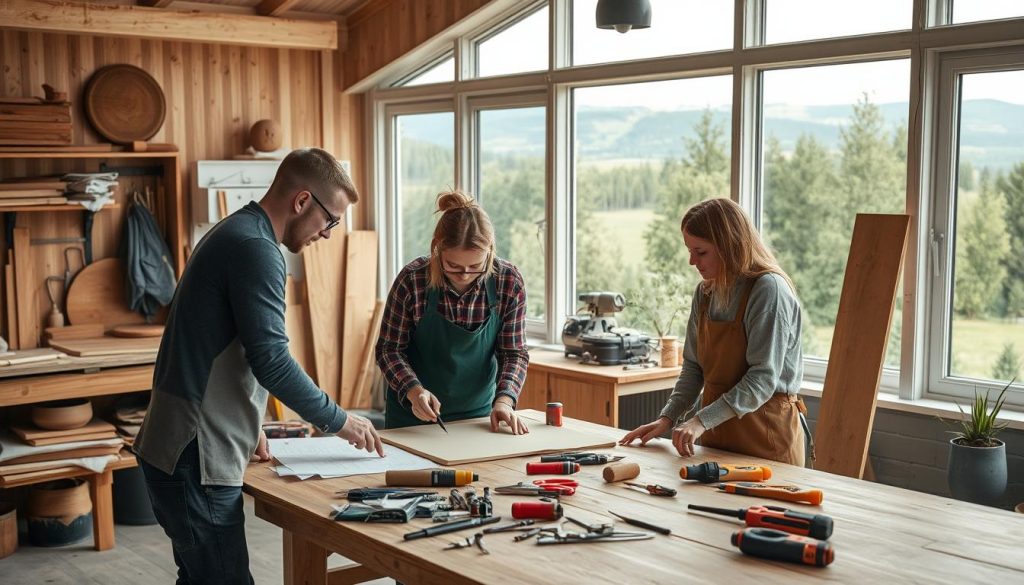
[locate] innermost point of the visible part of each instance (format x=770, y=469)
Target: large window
x=834, y=144
x=586, y=146
x=510, y=167
x=643, y=153
x=978, y=323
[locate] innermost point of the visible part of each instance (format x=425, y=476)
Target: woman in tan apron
x=743, y=345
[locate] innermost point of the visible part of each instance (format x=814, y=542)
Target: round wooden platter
x=124, y=103
x=97, y=295
x=136, y=331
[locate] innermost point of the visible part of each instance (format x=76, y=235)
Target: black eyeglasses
x=470, y=272
x=332, y=221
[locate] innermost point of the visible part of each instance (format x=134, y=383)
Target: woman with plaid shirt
x=453, y=334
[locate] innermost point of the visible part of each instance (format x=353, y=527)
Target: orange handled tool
x=789, y=493
x=814, y=525
x=710, y=472
x=777, y=545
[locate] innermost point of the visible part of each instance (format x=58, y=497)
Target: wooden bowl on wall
x=61, y=415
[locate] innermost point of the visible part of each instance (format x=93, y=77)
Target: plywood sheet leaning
x=324, y=265
x=472, y=440
x=858, y=345
x=10, y=298
x=367, y=363
x=296, y=321
x=360, y=302
x=24, y=281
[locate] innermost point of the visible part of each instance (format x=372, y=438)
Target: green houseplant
x=977, y=459
x=662, y=303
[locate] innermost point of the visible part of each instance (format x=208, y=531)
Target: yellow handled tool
x=789, y=493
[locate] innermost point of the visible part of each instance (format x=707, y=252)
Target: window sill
x=925, y=406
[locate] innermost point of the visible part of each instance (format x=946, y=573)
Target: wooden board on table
x=472, y=440
x=107, y=346
x=324, y=265
x=25, y=285
x=360, y=302
x=31, y=433
x=858, y=346
x=61, y=440
x=30, y=356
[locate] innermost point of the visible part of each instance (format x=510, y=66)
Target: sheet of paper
x=333, y=457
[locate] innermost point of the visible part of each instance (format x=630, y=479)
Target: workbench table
x=882, y=534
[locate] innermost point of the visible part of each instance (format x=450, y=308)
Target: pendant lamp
x=623, y=15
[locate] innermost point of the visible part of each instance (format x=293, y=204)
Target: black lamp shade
x=623, y=15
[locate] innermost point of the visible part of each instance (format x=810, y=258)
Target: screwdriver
x=789, y=493
x=711, y=472
x=777, y=545
x=814, y=525
x=654, y=489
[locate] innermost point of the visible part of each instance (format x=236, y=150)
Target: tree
x=981, y=248
x=1012, y=188
x=1007, y=366
x=965, y=176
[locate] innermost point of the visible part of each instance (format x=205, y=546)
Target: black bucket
x=131, y=498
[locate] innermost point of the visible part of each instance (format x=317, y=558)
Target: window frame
x=940, y=252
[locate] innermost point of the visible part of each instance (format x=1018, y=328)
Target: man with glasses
x=224, y=343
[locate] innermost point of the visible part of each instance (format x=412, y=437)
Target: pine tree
x=1012, y=188
x=981, y=248
x=1007, y=366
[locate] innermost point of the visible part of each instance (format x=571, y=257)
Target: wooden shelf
x=4, y=154
x=127, y=459
x=69, y=207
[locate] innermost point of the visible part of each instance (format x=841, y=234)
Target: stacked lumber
x=34, y=122
x=32, y=191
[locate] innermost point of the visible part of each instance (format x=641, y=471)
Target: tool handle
x=451, y=527
x=552, y=468
x=814, y=525
x=780, y=546
x=646, y=525
x=788, y=494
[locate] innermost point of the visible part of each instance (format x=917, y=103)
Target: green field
x=624, y=229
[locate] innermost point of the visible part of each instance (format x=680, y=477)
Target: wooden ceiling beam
x=275, y=7
x=156, y=23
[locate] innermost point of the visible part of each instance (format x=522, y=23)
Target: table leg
x=100, y=490
x=305, y=562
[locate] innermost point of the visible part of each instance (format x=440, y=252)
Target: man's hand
x=425, y=405
x=685, y=434
x=262, y=454
x=647, y=432
x=360, y=434
x=502, y=411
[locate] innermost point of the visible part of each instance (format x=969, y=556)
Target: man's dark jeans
x=206, y=524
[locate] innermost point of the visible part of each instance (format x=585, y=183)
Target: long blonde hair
x=742, y=252
x=463, y=224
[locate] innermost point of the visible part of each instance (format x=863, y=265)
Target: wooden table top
x=882, y=533
x=546, y=360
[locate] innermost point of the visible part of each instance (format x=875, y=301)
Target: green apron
x=456, y=365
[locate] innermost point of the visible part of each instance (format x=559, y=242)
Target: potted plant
x=977, y=459
x=662, y=302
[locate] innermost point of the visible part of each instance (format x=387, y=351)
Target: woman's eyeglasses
x=464, y=270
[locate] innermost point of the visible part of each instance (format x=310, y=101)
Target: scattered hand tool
x=526, y=489
x=583, y=458
x=814, y=525
x=361, y=494
x=789, y=493
x=552, y=468
x=581, y=537
x=441, y=422
x=450, y=527
x=654, y=489
x=510, y=527
x=710, y=472
x=477, y=539
x=56, y=317
x=642, y=524
x=777, y=545
x=564, y=487
x=538, y=510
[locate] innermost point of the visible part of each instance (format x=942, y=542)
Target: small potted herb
x=977, y=459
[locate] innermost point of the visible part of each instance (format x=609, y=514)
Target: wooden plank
x=11, y=300
x=304, y=562
x=103, y=346
x=25, y=285
x=29, y=356
x=71, y=439
x=363, y=388
x=555, y=362
x=858, y=344
x=32, y=433
x=360, y=302
x=351, y=575
x=72, y=332
x=41, y=388
x=296, y=322
x=324, y=265
x=154, y=23
x=471, y=440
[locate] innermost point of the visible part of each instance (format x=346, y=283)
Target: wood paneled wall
x=383, y=31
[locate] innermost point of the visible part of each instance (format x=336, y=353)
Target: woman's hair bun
x=454, y=200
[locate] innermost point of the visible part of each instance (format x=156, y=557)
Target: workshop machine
x=594, y=335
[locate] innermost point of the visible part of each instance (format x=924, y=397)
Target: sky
x=673, y=30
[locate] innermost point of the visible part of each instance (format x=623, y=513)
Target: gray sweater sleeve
x=691, y=378
x=256, y=277
x=772, y=323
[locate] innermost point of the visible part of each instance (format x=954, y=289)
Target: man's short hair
x=316, y=170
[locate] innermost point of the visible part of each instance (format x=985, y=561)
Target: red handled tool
x=777, y=545
x=552, y=468
x=653, y=489
x=814, y=525
x=563, y=487
x=536, y=510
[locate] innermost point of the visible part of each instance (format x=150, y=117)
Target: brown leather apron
x=770, y=432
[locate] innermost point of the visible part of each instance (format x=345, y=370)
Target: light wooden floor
x=142, y=556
